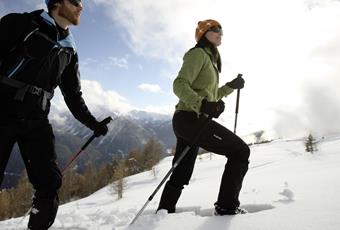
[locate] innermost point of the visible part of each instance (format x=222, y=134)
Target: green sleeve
x=224, y=91
x=192, y=64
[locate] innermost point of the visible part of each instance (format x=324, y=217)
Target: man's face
x=71, y=10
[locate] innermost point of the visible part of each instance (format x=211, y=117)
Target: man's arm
x=71, y=90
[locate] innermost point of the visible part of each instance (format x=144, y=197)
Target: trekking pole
x=184, y=152
x=75, y=156
x=237, y=105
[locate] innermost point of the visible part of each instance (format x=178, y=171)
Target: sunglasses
x=216, y=29
x=75, y=2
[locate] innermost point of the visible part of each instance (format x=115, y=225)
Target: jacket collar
x=68, y=41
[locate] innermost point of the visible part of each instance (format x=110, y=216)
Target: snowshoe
x=222, y=211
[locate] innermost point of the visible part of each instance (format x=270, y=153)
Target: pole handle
x=106, y=120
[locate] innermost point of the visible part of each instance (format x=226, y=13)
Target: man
x=37, y=54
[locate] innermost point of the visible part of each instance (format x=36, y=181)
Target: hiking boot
x=169, y=198
x=223, y=211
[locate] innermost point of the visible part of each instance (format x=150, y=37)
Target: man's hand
x=100, y=128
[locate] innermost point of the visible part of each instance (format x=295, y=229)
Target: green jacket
x=198, y=79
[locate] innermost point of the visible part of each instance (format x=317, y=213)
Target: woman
x=199, y=96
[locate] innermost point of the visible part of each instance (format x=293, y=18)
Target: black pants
x=36, y=144
x=215, y=138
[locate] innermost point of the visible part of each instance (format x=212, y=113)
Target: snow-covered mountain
x=147, y=116
x=284, y=189
x=126, y=132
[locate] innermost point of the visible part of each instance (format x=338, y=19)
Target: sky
x=285, y=189
x=288, y=52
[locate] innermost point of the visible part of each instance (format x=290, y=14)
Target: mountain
x=126, y=132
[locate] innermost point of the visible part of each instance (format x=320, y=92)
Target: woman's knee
x=245, y=153
x=241, y=153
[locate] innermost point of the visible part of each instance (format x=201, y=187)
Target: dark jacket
x=37, y=52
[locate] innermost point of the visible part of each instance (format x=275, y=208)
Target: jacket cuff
x=196, y=104
x=91, y=123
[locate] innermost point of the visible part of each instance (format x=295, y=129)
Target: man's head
x=65, y=12
x=51, y=4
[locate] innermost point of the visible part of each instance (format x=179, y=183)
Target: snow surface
x=285, y=189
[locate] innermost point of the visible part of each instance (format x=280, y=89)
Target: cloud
x=107, y=64
x=320, y=114
x=97, y=99
x=283, y=48
x=287, y=51
x=316, y=107
x=152, y=88
x=118, y=62
x=101, y=101
x=167, y=109
x=164, y=38
x=88, y=62
x=311, y=4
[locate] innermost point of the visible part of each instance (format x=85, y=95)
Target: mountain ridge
x=126, y=132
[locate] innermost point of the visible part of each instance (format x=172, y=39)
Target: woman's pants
x=217, y=139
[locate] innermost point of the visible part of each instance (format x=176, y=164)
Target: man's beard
x=63, y=12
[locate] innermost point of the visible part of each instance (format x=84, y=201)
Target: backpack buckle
x=35, y=90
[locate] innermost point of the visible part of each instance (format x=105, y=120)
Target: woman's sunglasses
x=216, y=29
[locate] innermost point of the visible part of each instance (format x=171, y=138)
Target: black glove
x=237, y=83
x=213, y=109
x=99, y=128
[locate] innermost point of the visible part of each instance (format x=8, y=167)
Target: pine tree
x=258, y=136
x=151, y=153
x=119, y=183
x=16, y=201
x=22, y=195
x=5, y=204
x=134, y=162
x=142, y=160
x=311, y=144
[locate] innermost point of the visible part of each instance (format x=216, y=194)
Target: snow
x=285, y=189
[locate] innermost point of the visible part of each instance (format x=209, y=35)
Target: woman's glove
x=213, y=109
x=237, y=83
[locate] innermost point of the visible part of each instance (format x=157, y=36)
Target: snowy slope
x=285, y=189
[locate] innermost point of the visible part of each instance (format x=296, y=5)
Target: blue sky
x=131, y=50
x=106, y=57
